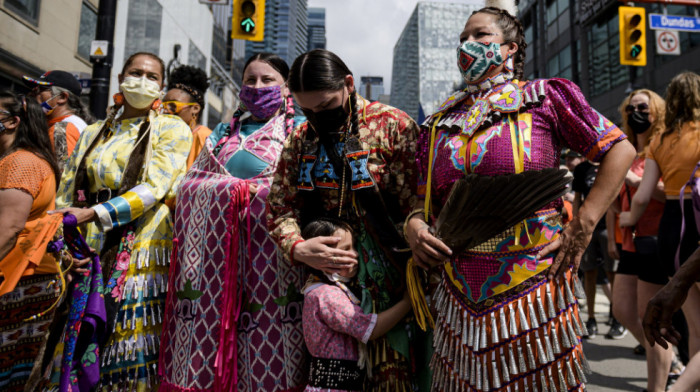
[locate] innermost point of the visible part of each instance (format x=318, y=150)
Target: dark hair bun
x=189, y=76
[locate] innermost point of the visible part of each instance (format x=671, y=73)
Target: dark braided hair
x=32, y=131
x=512, y=32
x=322, y=70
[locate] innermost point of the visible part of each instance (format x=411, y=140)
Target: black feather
x=480, y=207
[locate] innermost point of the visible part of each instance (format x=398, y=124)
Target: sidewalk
x=615, y=367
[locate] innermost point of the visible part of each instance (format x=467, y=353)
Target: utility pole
x=102, y=66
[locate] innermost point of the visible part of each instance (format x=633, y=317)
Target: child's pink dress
x=333, y=325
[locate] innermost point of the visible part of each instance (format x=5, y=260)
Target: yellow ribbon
x=413, y=283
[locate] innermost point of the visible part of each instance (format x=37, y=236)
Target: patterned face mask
x=477, y=59
x=262, y=102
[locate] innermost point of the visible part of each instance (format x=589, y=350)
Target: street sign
x=674, y=22
x=667, y=42
x=99, y=49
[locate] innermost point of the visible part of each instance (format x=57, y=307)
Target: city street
x=615, y=366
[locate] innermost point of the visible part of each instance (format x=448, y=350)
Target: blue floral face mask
x=477, y=59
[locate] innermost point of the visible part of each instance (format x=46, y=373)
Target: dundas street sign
x=673, y=22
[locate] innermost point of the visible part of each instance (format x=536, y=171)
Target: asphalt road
x=615, y=366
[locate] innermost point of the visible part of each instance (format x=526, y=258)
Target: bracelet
x=408, y=218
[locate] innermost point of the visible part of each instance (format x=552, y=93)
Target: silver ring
x=333, y=259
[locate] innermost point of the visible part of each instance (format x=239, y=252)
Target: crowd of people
x=345, y=248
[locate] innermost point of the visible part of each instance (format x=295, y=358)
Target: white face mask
x=140, y=92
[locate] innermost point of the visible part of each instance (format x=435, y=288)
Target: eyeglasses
x=642, y=107
x=175, y=107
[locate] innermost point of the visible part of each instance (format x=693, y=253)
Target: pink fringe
x=169, y=303
x=226, y=363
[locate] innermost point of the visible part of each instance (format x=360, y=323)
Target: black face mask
x=639, y=122
x=327, y=121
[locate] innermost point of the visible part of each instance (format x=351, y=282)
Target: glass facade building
x=285, y=30
x=317, y=28
x=424, y=71
x=579, y=40
x=371, y=87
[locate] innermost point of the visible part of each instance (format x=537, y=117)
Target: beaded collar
x=490, y=83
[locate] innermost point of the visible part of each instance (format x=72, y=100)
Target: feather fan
x=480, y=207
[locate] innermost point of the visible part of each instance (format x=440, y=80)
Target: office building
x=579, y=40
x=425, y=71
x=33, y=43
x=317, y=28
x=285, y=30
x=371, y=87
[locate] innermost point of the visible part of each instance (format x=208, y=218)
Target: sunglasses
x=175, y=107
x=642, y=107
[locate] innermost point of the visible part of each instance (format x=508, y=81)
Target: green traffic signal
x=635, y=51
x=248, y=25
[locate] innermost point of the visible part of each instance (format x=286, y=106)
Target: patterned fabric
x=21, y=340
x=130, y=353
x=27, y=172
x=251, y=336
x=479, y=284
x=76, y=365
x=333, y=324
x=529, y=140
x=386, y=132
x=523, y=341
x=388, y=136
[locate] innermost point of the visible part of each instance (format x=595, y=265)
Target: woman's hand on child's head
x=321, y=253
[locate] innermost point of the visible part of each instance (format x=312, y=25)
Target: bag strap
x=682, y=201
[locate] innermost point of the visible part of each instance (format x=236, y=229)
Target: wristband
x=408, y=218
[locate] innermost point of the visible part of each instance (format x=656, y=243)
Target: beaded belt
x=336, y=374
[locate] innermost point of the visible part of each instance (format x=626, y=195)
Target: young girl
x=335, y=328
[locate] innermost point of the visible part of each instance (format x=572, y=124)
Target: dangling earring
x=193, y=123
x=510, y=67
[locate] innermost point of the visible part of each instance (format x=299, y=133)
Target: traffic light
x=248, y=20
x=633, y=38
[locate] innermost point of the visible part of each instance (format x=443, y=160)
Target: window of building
x=551, y=14
x=604, y=56
x=88, y=29
x=27, y=9
x=553, y=66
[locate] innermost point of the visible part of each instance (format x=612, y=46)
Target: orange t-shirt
x=25, y=171
x=199, y=139
x=677, y=156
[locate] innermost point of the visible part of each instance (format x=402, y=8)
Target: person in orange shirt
x=29, y=275
x=185, y=98
x=58, y=93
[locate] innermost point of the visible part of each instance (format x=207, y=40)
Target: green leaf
x=188, y=292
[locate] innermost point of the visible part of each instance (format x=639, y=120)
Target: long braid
x=354, y=122
x=289, y=115
x=82, y=182
x=235, y=122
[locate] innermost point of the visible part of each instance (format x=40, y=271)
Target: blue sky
x=363, y=32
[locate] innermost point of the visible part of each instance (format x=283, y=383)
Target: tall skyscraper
x=317, y=28
x=424, y=71
x=285, y=30
x=371, y=87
